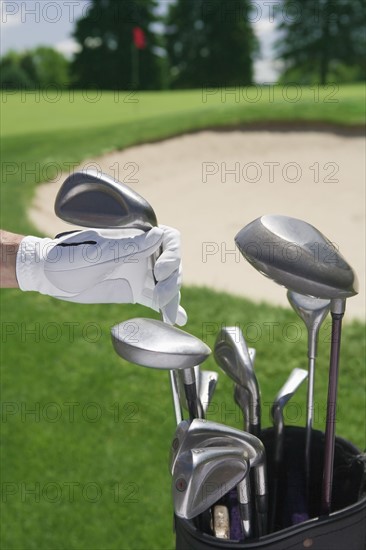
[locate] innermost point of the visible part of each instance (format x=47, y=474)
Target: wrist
x=10, y=243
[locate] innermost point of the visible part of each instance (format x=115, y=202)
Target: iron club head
x=204, y=475
x=93, y=199
x=233, y=356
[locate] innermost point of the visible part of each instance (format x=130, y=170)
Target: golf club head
x=312, y=311
x=205, y=433
x=203, y=476
x=93, y=199
x=296, y=255
x=155, y=344
x=233, y=356
x=287, y=391
x=289, y=388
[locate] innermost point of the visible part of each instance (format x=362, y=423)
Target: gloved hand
x=106, y=266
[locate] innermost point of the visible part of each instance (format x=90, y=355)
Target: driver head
x=296, y=255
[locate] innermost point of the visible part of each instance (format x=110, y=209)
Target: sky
x=30, y=23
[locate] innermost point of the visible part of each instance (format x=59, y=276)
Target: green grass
x=56, y=357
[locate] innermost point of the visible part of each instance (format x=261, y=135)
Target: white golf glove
x=107, y=266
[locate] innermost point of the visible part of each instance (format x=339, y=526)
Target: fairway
x=85, y=436
x=55, y=110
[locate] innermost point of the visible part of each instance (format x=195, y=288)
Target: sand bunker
x=210, y=184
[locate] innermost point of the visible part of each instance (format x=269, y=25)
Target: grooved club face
x=155, y=344
x=93, y=199
x=296, y=255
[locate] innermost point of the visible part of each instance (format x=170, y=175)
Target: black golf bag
x=343, y=529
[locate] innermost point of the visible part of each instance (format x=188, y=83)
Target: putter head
x=157, y=345
x=205, y=433
x=93, y=199
x=203, y=476
x=233, y=356
x=294, y=254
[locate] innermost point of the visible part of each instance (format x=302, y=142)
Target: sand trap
x=210, y=184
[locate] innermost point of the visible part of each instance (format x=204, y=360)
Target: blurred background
x=85, y=436
x=93, y=43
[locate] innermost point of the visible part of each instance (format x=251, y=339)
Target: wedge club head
x=92, y=199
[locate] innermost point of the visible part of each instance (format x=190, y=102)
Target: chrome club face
x=296, y=255
x=204, y=475
x=93, y=199
x=155, y=344
x=312, y=311
x=233, y=356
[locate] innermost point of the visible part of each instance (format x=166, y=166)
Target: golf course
x=85, y=436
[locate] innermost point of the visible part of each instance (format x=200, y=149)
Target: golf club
x=157, y=345
x=312, y=311
x=232, y=355
x=204, y=433
x=287, y=391
x=296, y=255
x=241, y=397
x=204, y=475
x=93, y=199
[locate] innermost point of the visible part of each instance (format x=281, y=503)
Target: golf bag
x=344, y=529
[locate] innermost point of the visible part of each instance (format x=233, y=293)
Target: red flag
x=139, y=38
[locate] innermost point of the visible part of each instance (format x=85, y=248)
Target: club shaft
x=175, y=397
x=245, y=507
x=331, y=414
x=190, y=389
x=309, y=420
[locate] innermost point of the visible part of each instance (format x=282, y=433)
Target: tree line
x=197, y=43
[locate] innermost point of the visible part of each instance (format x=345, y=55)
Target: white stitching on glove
x=106, y=266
